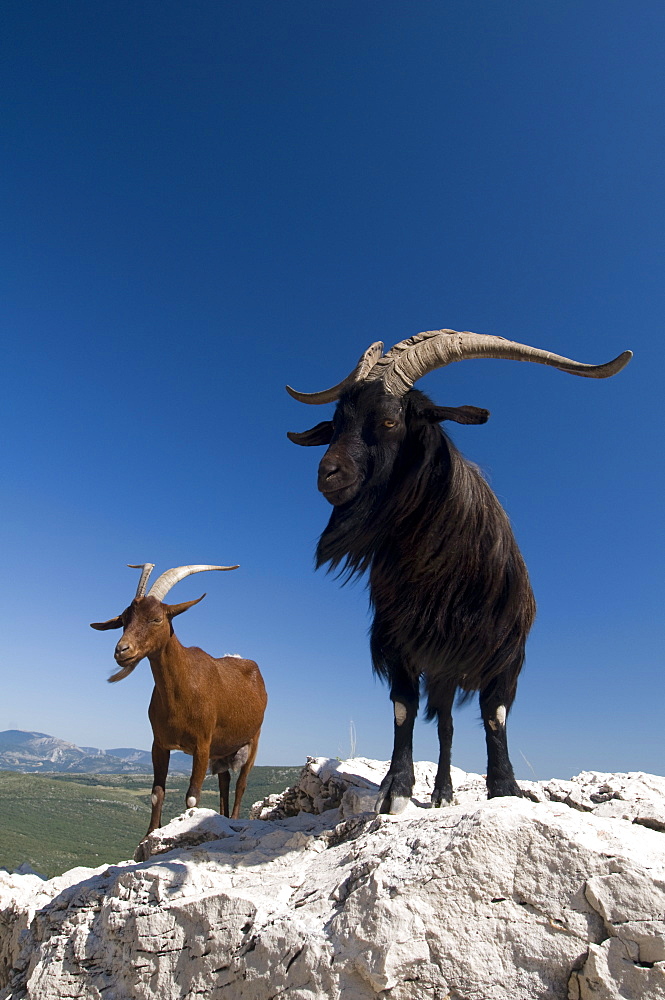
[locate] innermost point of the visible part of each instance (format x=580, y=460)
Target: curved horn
x=365, y=364
x=166, y=581
x=409, y=360
x=146, y=570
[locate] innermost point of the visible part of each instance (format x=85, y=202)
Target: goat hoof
x=394, y=795
x=498, y=789
x=441, y=797
x=391, y=804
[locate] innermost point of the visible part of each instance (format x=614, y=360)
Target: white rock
x=507, y=899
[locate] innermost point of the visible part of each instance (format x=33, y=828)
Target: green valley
x=59, y=821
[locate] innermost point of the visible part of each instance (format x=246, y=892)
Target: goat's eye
x=389, y=423
x=156, y=621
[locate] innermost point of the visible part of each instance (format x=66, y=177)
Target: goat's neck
x=169, y=668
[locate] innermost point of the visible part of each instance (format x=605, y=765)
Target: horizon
x=205, y=204
x=109, y=751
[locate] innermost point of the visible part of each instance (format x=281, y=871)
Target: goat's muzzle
x=337, y=480
x=126, y=657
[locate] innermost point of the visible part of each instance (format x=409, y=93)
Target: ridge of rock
x=558, y=895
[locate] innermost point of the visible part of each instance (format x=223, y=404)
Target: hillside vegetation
x=55, y=822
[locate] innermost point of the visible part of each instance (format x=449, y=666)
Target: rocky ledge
x=560, y=894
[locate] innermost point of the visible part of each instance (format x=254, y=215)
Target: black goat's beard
x=353, y=533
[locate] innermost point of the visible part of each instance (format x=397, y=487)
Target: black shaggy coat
x=447, y=582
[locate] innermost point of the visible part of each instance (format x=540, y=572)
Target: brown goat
x=210, y=708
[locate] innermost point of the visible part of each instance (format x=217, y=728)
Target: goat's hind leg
x=440, y=703
x=397, y=786
x=224, y=778
x=246, y=767
x=495, y=702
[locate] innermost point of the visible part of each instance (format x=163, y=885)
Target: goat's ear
x=321, y=434
x=111, y=623
x=460, y=414
x=177, y=609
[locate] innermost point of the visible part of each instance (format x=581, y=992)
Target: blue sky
x=202, y=202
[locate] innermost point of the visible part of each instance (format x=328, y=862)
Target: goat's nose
x=328, y=467
x=122, y=647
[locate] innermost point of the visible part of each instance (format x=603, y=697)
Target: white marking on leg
x=154, y=798
x=499, y=718
x=191, y=801
x=400, y=713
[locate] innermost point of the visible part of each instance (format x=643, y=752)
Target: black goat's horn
x=167, y=580
x=409, y=360
x=365, y=365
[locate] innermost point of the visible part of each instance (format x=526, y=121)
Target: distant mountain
x=132, y=756
x=38, y=752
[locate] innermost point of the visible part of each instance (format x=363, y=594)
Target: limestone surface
x=558, y=895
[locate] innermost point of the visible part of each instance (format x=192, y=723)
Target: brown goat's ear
x=321, y=434
x=460, y=414
x=111, y=623
x=177, y=609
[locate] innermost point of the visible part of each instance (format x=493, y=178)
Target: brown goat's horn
x=363, y=368
x=166, y=581
x=146, y=570
x=409, y=360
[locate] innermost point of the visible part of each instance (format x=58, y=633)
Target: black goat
x=450, y=591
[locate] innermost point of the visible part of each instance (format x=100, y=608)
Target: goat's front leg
x=199, y=769
x=396, y=788
x=160, y=767
x=495, y=702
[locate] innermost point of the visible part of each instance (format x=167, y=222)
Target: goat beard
x=121, y=674
x=351, y=535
